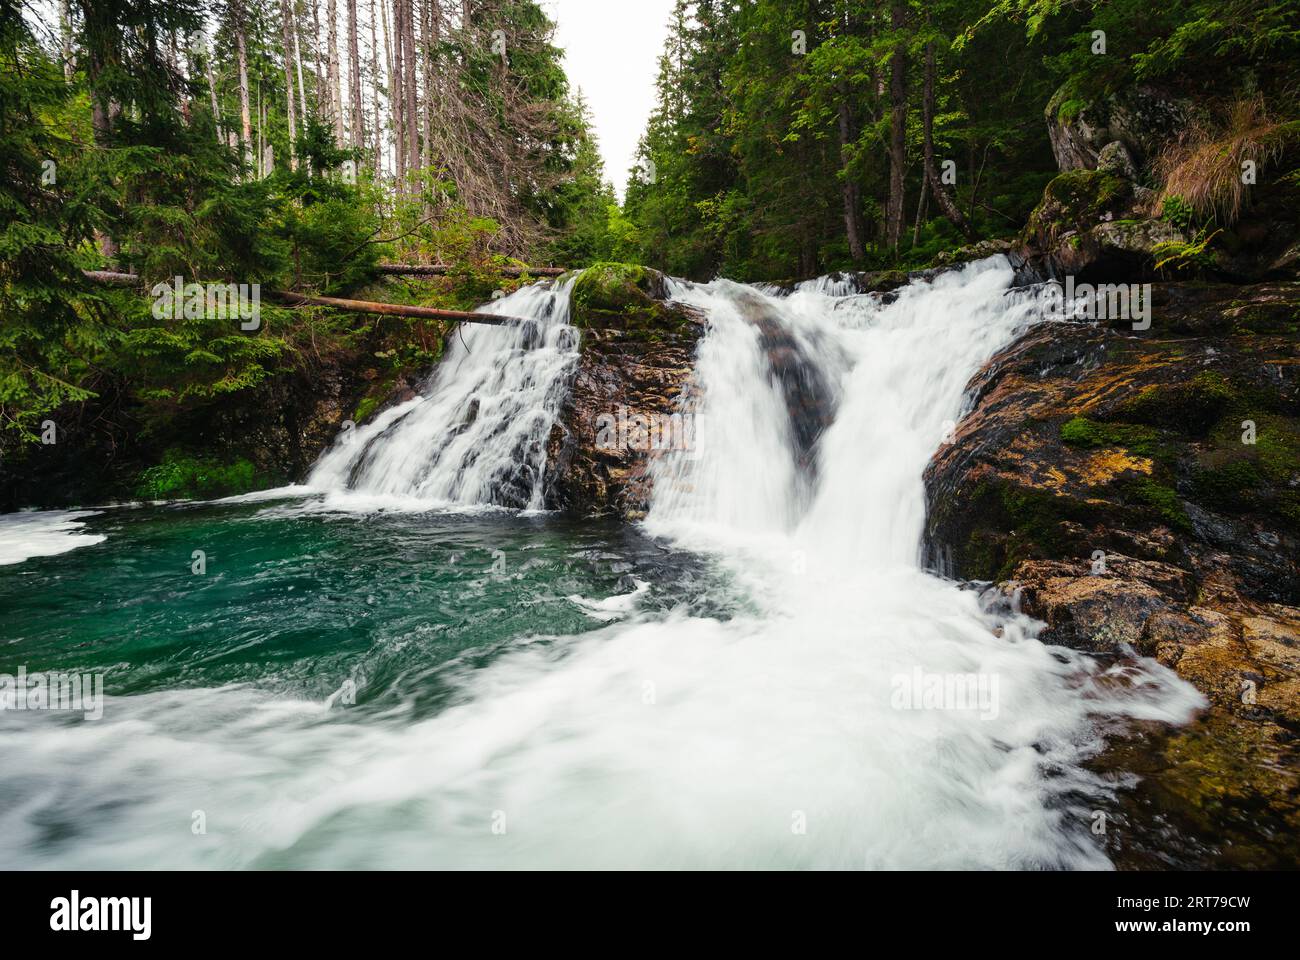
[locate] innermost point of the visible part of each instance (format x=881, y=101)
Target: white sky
x=612, y=52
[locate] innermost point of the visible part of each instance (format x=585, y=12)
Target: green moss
x=365, y=408
x=1267, y=318
x=380, y=390
x=1087, y=193
x=1277, y=448
x=1287, y=507
x=1141, y=440
x=1190, y=407
x=1235, y=477
x=1232, y=487
x=622, y=296
x=1077, y=200
x=184, y=477
x=1070, y=109
x=1033, y=524
x=1164, y=500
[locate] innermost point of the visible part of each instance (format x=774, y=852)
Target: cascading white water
x=777, y=738
x=477, y=433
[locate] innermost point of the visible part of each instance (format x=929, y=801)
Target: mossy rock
x=625, y=297
x=1191, y=407
x=1015, y=523
x=1232, y=475
x=1266, y=318
x=1078, y=200
x=1092, y=434
x=1162, y=500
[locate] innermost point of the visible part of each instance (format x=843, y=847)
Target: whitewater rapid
x=776, y=738
x=476, y=434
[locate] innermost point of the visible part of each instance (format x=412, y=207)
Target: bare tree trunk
x=315, y=56
x=333, y=77
x=187, y=74
x=374, y=96
x=245, y=118
x=430, y=32
x=65, y=35
x=946, y=203
x=397, y=97
x=898, y=128
x=412, y=107
x=850, y=190
x=297, y=59
x=354, y=78
x=921, y=206
x=208, y=56
x=101, y=120
x=260, y=149
x=289, y=43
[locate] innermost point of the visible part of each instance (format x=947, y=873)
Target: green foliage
x=127, y=166
x=1179, y=212
x=1184, y=256
x=184, y=477
x=762, y=154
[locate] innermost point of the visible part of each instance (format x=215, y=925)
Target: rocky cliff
x=1137, y=487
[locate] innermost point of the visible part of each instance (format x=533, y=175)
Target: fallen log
x=112, y=278
x=289, y=298
x=439, y=269
x=391, y=309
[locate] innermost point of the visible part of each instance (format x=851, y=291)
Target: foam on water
x=43, y=533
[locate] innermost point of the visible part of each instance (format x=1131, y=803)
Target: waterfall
x=861, y=712
x=477, y=432
x=877, y=383
x=847, y=709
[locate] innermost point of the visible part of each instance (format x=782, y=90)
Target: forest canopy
x=296, y=144
x=793, y=137
x=289, y=144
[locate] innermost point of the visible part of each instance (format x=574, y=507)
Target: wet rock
x=810, y=400
x=1084, y=438
x=1095, y=225
x=1099, y=613
x=630, y=399
x=1103, y=477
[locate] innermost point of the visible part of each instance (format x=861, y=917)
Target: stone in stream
x=635, y=361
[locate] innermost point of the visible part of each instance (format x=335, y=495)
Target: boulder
x=630, y=391
x=1115, y=158
x=625, y=297
x=1141, y=118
